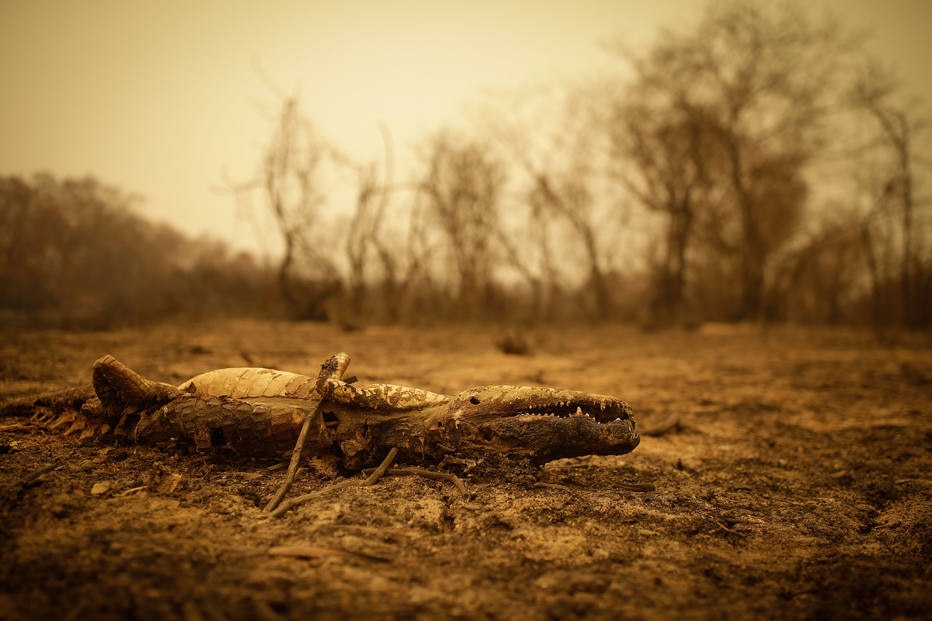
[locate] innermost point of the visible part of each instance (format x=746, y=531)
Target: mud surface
x=795, y=484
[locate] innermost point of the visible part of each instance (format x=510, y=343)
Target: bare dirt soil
x=796, y=484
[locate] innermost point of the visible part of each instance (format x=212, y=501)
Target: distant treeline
x=74, y=254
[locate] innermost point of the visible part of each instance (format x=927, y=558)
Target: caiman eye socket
x=474, y=400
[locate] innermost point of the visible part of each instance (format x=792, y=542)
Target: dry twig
x=314, y=551
x=666, y=425
x=371, y=479
x=430, y=474
x=295, y=460
x=32, y=476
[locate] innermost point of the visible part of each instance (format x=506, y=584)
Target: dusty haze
x=165, y=100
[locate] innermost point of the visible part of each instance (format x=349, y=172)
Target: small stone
x=101, y=487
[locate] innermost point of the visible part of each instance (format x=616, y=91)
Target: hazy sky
x=160, y=98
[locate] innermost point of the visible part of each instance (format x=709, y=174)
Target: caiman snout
x=497, y=401
x=542, y=424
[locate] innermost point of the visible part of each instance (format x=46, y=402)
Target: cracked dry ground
x=795, y=485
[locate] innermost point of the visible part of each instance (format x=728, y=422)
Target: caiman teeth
x=600, y=410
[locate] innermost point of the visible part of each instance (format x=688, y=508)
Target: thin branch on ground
x=295, y=460
x=666, y=425
x=371, y=479
x=33, y=476
x=378, y=472
x=430, y=474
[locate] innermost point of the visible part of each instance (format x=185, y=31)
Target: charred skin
x=260, y=411
x=537, y=424
x=248, y=427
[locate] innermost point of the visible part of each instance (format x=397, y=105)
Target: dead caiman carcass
x=260, y=412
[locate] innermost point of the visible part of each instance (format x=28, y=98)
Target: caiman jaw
x=525, y=402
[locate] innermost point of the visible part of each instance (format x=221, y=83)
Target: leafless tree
x=373, y=192
x=557, y=154
x=569, y=197
x=290, y=169
x=381, y=250
x=462, y=188
x=664, y=160
x=759, y=79
x=409, y=290
x=875, y=94
x=820, y=279
x=289, y=180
